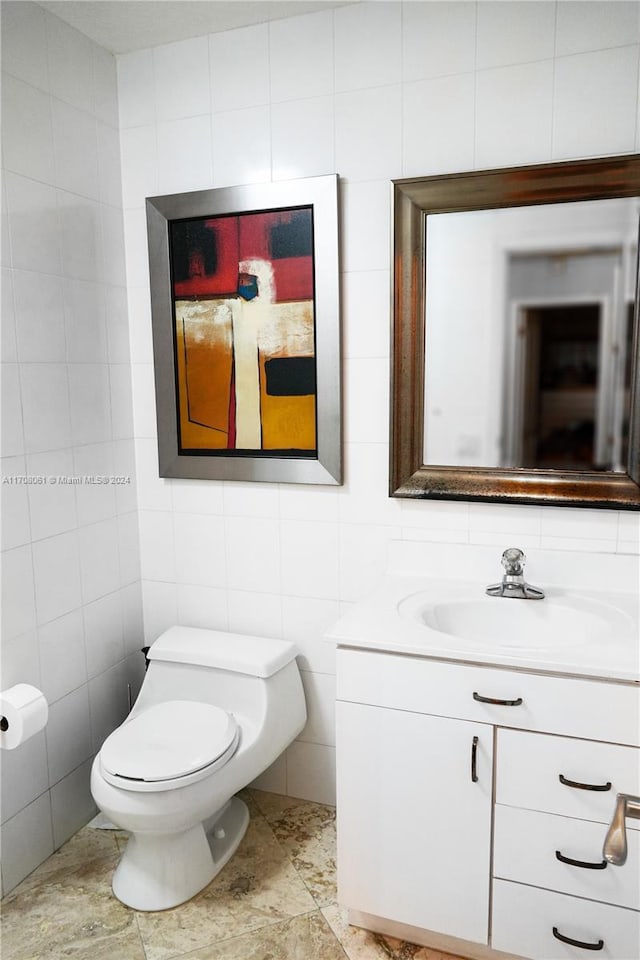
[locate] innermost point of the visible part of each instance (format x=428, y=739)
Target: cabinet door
x=414, y=827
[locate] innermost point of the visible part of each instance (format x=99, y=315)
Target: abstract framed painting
x=246, y=332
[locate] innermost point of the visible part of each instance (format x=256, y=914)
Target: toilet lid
x=169, y=740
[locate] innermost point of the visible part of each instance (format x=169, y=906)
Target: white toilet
x=215, y=710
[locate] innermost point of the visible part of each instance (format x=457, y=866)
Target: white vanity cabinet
x=473, y=803
x=414, y=818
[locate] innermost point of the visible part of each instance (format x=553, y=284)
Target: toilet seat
x=169, y=745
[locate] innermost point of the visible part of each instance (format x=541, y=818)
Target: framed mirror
x=515, y=369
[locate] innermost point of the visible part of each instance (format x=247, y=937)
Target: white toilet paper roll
x=23, y=712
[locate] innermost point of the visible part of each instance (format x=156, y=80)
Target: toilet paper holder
x=23, y=713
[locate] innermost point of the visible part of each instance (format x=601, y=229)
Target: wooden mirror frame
x=414, y=199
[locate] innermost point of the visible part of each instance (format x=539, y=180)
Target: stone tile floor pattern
x=274, y=900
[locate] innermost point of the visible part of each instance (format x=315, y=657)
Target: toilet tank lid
x=240, y=653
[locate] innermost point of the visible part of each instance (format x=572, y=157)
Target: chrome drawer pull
x=577, y=943
x=603, y=787
x=500, y=703
x=580, y=863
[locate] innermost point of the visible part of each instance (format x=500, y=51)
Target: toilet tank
x=239, y=653
x=245, y=675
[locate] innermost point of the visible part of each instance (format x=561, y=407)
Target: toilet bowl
x=215, y=710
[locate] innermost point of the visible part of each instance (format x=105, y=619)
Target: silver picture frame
x=320, y=466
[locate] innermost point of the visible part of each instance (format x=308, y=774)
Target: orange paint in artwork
x=204, y=354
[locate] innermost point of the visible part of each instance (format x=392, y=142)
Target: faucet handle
x=513, y=561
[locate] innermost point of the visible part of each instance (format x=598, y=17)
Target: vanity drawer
x=580, y=708
x=530, y=766
x=525, y=847
x=524, y=919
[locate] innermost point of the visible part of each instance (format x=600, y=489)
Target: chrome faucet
x=615, y=844
x=513, y=583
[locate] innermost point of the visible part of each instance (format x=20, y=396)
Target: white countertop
x=377, y=623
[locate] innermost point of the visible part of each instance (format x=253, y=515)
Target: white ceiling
x=125, y=25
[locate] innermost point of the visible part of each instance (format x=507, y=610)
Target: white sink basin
x=563, y=620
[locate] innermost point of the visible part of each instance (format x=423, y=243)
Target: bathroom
x=372, y=91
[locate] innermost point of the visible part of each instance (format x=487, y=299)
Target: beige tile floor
x=274, y=900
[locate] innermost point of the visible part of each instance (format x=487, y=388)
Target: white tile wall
x=24, y=43
x=136, y=95
x=76, y=150
x=40, y=317
x=24, y=776
x=34, y=225
x=184, y=92
x=302, y=133
x=438, y=125
x=27, y=840
x=62, y=655
x=310, y=551
x=71, y=803
x=239, y=68
x=18, y=596
x=27, y=127
x=513, y=114
x=68, y=733
x=56, y=572
x=205, y=607
x=189, y=137
x=241, y=146
x=85, y=322
x=65, y=414
x=516, y=33
x=438, y=39
x=301, y=56
x=311, y=771
x=108, y=697
x=199, y=544
x=21, y=659
x=262, y=619
x=597, y=25
x=52, y=506
x=94, y=501
x=595, y=102
x=368, y=45
x=8, y=346
x=320, y=695
x=361, y=153
x=16, y=524
x=104, y=645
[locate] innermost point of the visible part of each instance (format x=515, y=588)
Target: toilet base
x=160, y=871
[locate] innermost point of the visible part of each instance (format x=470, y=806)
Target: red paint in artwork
x=293, y=278
x=243, y=238
x=254, y=235
x=224, y=282
x=293, y=275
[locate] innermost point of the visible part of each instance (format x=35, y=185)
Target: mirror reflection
x=535, y=307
